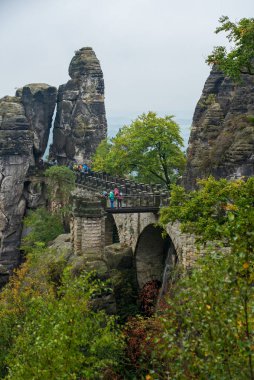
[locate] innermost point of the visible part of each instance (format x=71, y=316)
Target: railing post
x=157, y=199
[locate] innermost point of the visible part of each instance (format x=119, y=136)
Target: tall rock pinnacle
x=80, y=122
x=222, y=134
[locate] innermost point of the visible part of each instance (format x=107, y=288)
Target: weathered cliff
x=16, y=145
x=80, y=122
x=24, y=127
x=39, y=100
x=221, y=142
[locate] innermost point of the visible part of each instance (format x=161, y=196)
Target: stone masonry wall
x=92, y=231
x=130, y=226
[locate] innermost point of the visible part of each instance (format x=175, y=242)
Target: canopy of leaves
x=240, y=59
x=219, y=210
x=49, y=332
x=209, y=321
x=42, y=226
x=60, y=181
x=149, y=149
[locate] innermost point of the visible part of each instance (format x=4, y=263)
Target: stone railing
x=134, y=195
x=138, y=195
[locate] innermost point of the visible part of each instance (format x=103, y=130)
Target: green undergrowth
x=48, y=328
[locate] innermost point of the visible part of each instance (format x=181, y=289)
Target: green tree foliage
x=240, y=59
x=42, y=227
x=209, y=321
x=60, y=182
x=219, y=210
x=149, y=149
x=53, y=333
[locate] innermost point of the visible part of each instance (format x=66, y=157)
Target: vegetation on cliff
x=43, y=227
x=60, y=183
x=208, y=319
x=240, y=59
x=149, y=149
x=48, y=329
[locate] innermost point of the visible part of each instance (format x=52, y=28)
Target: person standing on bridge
x=116, y=192
x=112, y=199
x=117, y=196
x=119, y=199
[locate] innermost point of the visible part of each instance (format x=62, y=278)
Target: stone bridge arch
x=92, y=229
x=154, y=254
x=137, y=229
x=111, y=230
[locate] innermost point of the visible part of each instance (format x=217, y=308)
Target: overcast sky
x=152, y=52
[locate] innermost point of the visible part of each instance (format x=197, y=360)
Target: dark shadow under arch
x=111, y=232
x=153, y=254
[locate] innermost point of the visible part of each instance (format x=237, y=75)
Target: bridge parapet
x=133, y=194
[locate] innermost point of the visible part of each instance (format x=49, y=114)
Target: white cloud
x=152, y=52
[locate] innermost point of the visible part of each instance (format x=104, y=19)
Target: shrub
x=49, y=331
x=42, y=226
x=209, y=323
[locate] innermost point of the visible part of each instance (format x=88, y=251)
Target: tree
x=240, y=59
x=60, y=183
x=148, y=149
x=62, y=338
x=209, y=323
x=42, y=228
x=50, y=330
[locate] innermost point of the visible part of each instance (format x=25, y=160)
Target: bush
x=60, y=182
x=140, y=344
x=49, y=331
x=42, y=227
x=63, y=339
x=209, y=323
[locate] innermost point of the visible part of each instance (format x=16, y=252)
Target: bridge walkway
x=137, y=197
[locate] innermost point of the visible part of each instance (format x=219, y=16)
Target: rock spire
x=80, y=122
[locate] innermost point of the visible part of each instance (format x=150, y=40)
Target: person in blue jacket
x=112, y=198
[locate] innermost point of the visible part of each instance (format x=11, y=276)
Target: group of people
x=83, y=168
x=114, y=195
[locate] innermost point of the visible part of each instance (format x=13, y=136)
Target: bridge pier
x=88, y=225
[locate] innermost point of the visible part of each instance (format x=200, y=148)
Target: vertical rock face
x=222, y=134
x=16, y=145
x=24, y=127
x=39, y=101
x=80, y=122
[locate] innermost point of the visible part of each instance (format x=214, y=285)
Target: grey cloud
x=152, y=52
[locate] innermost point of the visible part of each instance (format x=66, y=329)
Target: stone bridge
x=95, y=226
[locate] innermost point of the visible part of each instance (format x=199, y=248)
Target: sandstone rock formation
x=16, y=144
x=24, y=126
x=80, y=122
x=39, y=101
x=222, y=134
